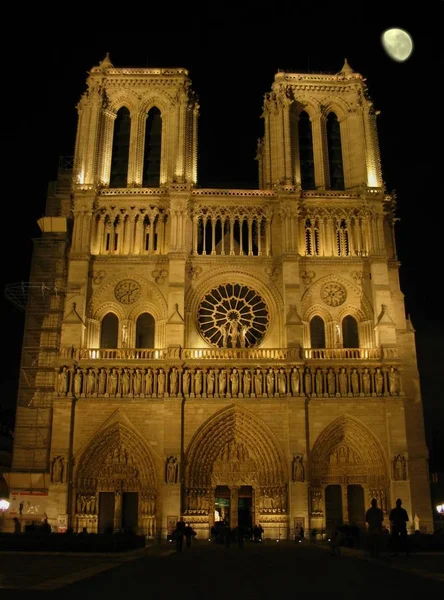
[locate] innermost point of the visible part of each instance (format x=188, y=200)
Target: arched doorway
x=115, y=484
x=348, y=468
x=235, y=472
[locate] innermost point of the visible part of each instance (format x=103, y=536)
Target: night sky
x=231, y=67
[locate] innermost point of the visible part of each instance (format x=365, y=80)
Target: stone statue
x=161, y=382
x=379, y=378
x=78, y=379
x=234, y=378
x=247, y=382
x=234, y=332
x=307, y=381
x=416, y=520
x=125, y=383
x=57, y=470
x=331, y=382
x=222, y=381
x=298, y=471
x=173, y=381
x=282, y=381
x=295, y=381
x=224, y=333
x=102, y=382
x=198, y=382
x=343, y=384
x=270, y=382
x=355, y=382
x=149, y=383
x=172, y=469
x=90, y=382
x=319, y=382
x=366, y=382
x=400, y=468
x=113, y=382
x=137, y=382
x=258, y=383
x=393, y=382
x=210, y=382
x=186, y=382
x=243, y=336
x=63, y=383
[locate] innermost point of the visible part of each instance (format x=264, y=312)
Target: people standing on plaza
x=179, y=533
x=189, y=534
x=399, y=518
x=374, y=518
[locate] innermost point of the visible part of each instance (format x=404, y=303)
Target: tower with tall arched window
x=214, y=353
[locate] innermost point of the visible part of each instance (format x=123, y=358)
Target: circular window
x=233, y=316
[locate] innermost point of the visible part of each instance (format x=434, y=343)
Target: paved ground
x=209, y=571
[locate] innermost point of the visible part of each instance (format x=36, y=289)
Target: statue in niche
x=400, y=468
x=102, y=382
x=379, y=378
x=161, y=382
x=295, y=381
x=210, y=382
x=331, y=382
x=57, y=469
x=173, y=381
x=78, y=380
x=149, y=383
x=319, y=382
x=137, y=382
x=298, y=471
x=247, y=382
x=316, y=500
x=186, y=383
x=222, y=381
x=355, y=382
x=307, y=381
x=198, y=382
x=172, y=469
x=125, y=383
x=258, y=382
x=234, y=378
x=366, y=382
x=282, y=381
x=393, y=381
x=63, y=381
x=343, y=384
x=90, y=382
x=270, y=382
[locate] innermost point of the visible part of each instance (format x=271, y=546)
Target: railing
x=254, y=354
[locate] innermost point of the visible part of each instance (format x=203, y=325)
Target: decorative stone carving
x=194, y=272
x=333, y=294
x=400, y=468
x=99, y=277
x=63, y=381
x=159, y=275
x=127, y=291
x=307, y=277
x=297, y=468
x=358, y=277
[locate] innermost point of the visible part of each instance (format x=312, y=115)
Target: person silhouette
x=374, y=518
x=399, y=518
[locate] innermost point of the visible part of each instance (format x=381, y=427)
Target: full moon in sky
x=397, y=43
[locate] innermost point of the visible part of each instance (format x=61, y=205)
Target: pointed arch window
x=317, y=332
x=109, y=331
x=335, y=164
x=312, y=237
x=152, y=150
x=350, y=335
x=120, y=151
x=342, y=238
x=145, y=326
x=306, y=152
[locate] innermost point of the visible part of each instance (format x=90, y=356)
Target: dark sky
x=232, y=62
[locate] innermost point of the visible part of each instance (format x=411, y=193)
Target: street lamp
x=4, y=505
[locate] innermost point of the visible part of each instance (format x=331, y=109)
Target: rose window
x=233, y=316
x=333, y=294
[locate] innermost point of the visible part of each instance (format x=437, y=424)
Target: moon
x=397, y=43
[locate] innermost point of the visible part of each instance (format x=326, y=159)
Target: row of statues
x=246, y=382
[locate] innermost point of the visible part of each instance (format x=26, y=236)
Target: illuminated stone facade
x=238, y=348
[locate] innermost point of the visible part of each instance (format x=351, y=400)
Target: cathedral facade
x=218, y=354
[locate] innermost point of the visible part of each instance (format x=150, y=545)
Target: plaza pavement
x=210, y=571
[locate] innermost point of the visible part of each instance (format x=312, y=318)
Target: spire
x=106, y=62
x=346, y=69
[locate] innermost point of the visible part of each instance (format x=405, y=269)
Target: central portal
x=234, y=506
